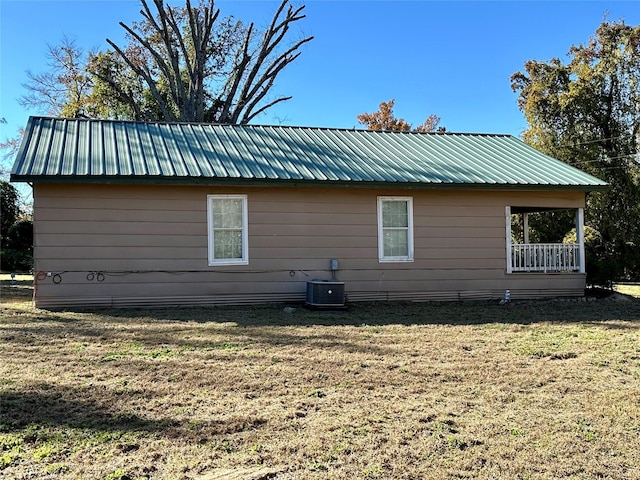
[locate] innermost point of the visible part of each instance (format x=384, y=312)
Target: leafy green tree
x=20, y=235
x=10, y=208
x=17, y=253
x=586, y=112
x=16, y=232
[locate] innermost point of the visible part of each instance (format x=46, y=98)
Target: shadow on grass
x=615, y=307
x=51, y=405
x=263, y=324
x=16, y=283
x=48, y=406
x=21, y=291
x=145, y=335
x=168, y=327
x=622, y=308
x=602, y=307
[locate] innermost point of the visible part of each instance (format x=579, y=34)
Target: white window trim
x=245, y=229
x=381, y=257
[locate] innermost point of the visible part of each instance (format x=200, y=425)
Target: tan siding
x=117, y=204
x=327, y=252
x=132, y=240
x=460, y=222
x=308, y=242
x=283, y=230
x=330, y=219
x=82, y=215
x=118, y=264
x=46, y=227
x=150, y=244
x=429, y=240
x=125, y=251
x=313, y=206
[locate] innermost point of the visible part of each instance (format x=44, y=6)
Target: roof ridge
x=280, y=127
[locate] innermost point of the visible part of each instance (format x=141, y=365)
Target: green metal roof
x=81, y=150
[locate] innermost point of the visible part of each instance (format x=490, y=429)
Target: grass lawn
x=531, y=390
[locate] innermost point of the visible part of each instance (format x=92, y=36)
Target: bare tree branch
x=249, y=115
x=271, y=39
x=264, y=84
x=235, y=78
x=180, y=63
x=144, y=73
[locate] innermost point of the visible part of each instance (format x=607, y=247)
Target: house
x=131, y=213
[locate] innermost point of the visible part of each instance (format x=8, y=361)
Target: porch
x=525, y=256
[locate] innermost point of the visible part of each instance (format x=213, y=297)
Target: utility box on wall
x=325, y=293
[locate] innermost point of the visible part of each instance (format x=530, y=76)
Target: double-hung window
x=227, y=224
x=395, y=229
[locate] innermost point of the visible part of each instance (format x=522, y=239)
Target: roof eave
x=161, y=180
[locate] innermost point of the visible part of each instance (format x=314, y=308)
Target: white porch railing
x=544, y=257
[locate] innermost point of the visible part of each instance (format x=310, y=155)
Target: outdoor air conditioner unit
x=325, y=293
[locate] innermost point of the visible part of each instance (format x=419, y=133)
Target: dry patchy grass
x=539, y=390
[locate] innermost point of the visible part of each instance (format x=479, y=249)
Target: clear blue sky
x=449, y=58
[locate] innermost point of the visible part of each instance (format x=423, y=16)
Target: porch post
x=507, y=215
x=525, y=227
x=580, y=239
